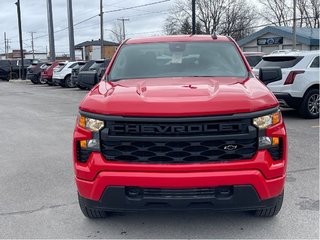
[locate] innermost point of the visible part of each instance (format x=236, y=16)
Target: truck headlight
x=91, y=124
x=86, y=146
x=266, y=121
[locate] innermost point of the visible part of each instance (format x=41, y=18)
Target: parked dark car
x=5, y=70
x=87, y=79
x=34, y=72
x=77, y=69
x=74, y=73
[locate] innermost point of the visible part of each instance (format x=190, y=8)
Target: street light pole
x=101, y=29
x=193, y=16
x=20, y=38
x=71, y=31
x=50, y=31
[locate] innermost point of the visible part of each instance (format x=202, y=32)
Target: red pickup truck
x=180, y=122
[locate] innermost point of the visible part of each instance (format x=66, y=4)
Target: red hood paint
x=181, y=96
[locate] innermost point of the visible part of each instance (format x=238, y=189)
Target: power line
x=130, y=16
x=138, y=6
x=137, y=33
x=96, y=15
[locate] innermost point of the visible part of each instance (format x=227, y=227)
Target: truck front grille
x=174, y=141
x=178, y=152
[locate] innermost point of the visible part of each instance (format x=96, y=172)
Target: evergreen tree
x=198, y=28
x=186, y=27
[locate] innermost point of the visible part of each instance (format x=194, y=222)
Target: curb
x=19, y=81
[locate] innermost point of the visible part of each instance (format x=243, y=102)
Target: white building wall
x=41, y=56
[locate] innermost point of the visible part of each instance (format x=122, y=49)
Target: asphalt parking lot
x=39, y=198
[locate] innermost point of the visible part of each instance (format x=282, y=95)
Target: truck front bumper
x=232, y=198
x=98, y=187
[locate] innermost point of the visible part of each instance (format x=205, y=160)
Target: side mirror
x=270, y=74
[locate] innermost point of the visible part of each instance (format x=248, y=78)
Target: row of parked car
x=70, y=74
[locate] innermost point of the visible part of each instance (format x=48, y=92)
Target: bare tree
x=219, y=15
x=116, y=32
x=171, y=26
x=238, y=9
x=315, y=9
x=280, y=12
x=276, y=11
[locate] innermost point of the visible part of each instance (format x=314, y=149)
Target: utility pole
x=71, y=31
x=294, y=27
x=8, y=47
x=101, y=29
x=32, y=44
x=123, y=26
x=5, y=44
x=52, y=50
x=193, y=16
x=20, y=38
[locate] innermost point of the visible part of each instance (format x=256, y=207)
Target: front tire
x=42, y=80
x=309, y=107
x=69, y=82
x=34, y=81
x=270, y=211
x=91, y=212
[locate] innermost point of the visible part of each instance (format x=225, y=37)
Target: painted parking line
x=315, y=126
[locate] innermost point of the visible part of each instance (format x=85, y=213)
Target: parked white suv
x=62, y=74
x=299, y=86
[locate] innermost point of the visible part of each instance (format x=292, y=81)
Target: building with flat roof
x=273, y=38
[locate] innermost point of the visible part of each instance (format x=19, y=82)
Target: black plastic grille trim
x=276, y=152
x=183, y=193
x=82, y=155
x=178, y=152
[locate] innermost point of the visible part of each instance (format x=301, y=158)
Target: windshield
x=87, y=66
x=178, y=59
x=95, y=66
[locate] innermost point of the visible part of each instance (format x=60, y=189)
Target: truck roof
x=178, y=38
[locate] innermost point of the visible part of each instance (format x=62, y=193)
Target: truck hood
x=192, y=96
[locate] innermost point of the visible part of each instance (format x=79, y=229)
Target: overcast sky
x=144, y=21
